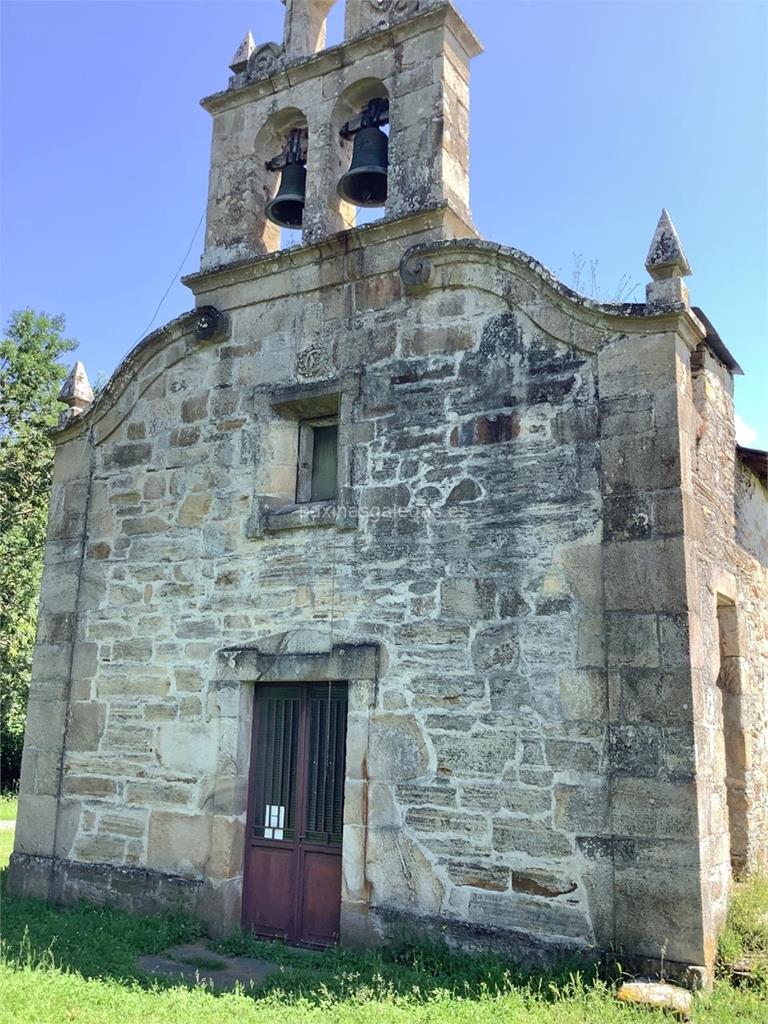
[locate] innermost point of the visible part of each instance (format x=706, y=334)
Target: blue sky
x=587, y=118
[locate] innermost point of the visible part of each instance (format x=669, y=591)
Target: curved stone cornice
x=469, y=263
x=465, y=263
x=198, y=326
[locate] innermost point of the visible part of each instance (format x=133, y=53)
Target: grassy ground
x=744, y=941
x=78, y=965
x=6, y=845
x=7, y=807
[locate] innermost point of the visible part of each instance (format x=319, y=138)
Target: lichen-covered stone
x=658, y=996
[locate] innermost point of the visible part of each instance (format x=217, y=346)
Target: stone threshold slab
x=193, y=964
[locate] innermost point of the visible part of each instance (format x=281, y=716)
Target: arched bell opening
x=361, y=135
x=281, y=154
x=334, y=24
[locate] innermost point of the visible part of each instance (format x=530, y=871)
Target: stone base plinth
x=533, y=952
x=128, y=888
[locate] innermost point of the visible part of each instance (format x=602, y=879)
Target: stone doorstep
x=243, y=970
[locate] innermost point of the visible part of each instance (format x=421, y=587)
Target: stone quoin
x=396, y=585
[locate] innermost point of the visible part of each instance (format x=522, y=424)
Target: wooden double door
x=292, y=872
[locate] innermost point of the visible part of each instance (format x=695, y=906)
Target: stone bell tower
x=412, y=55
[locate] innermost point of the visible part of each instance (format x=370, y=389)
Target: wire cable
x=172, y=281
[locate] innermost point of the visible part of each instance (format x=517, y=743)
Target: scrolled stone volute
x=211, y=324
x=415, y=268
x=264, y=61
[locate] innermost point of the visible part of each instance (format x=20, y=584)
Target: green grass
x=8, y=806
x=78, y=964
x=6, y=845
x=745, y=937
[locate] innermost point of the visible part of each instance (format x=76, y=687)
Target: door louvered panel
x=325, y=782
x=276, y=749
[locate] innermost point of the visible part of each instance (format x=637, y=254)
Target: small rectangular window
x=318, y=460
x=324, y=461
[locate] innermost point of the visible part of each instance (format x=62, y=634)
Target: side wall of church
x=729, y=640
x=752, y=570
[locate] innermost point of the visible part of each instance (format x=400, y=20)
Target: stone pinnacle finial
x=668, y=265
x=239, y=62
x=665, y=257
x=76, y=392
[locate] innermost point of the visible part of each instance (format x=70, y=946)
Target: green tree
x=30, y=379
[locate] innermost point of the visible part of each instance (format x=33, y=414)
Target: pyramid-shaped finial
x=665, y=257
x=76, y=391
x=245, y=49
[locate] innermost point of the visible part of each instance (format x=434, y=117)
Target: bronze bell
x=365, y=183
x=287, y=208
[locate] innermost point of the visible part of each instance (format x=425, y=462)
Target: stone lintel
x=343, y=661
x=315, y=398
x=305, y=401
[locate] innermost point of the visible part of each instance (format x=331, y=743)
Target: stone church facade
x=503, y=679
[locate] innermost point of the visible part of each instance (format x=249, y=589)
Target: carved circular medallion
x=312, y=362
x=395, y=6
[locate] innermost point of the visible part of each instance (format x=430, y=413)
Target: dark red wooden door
x=292, y=877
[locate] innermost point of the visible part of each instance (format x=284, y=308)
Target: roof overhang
x=755, y=460
x=714, y=342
